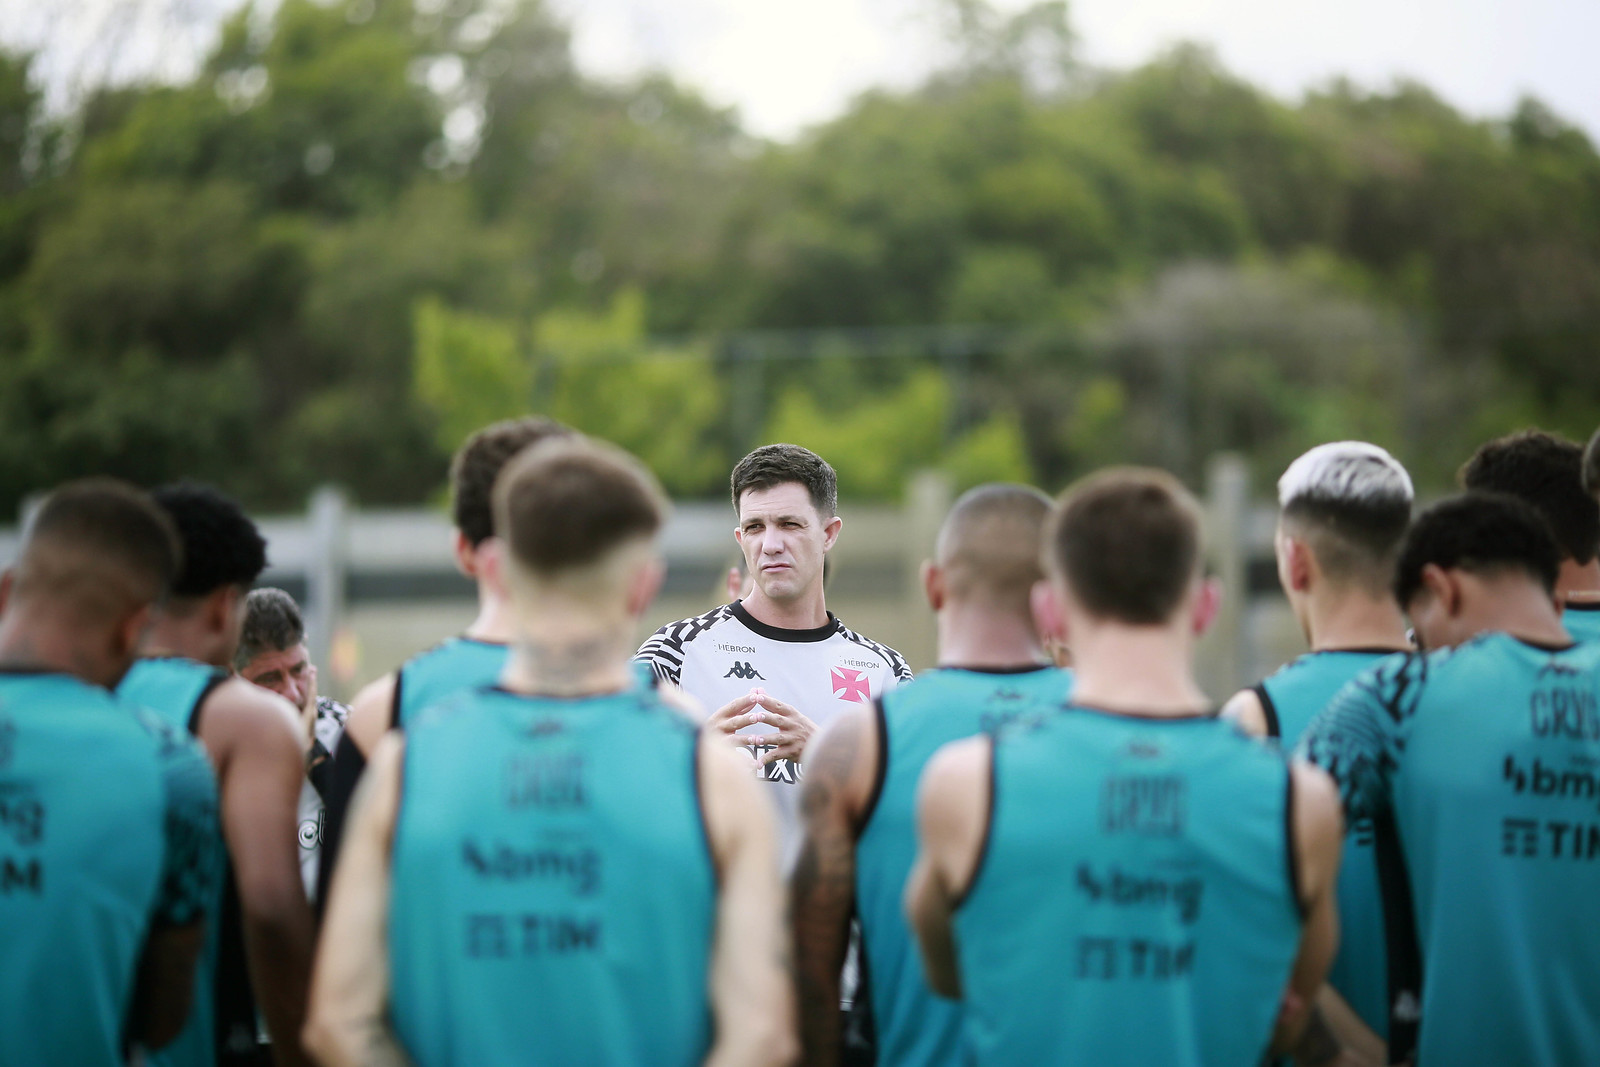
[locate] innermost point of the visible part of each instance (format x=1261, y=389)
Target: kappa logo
x=743, y=670
x=851, y=685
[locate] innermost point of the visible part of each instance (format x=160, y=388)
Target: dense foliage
x=367, y=226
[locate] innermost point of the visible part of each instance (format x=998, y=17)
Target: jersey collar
x=780, y=633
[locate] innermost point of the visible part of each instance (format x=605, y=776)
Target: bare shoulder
x=1245, y=710
x=842, y=758
x=955, y=770
x=737, y=807
x=240, y=717
x=678, y=700
x=370, y=713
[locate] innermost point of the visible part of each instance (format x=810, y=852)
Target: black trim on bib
x=880, y=719
x=1400, y=937
x=780, y=633
x=1269, y=710
x=1296, y=890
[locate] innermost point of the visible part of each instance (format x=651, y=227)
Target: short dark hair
x=221, y=546
x=1546, y=471
x=565, y=504
x=101, y=545
x=1479, y=532
x=1127, y=542
x=990, y=544
x=1591, y=466
x=772, y=465
x=1352, y=503
x=272, y=623
x=479, y=461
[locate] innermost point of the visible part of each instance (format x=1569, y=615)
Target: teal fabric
x=104, y=817
x=1360, y=971
x=553, y=892
x=1486, y=759
x=1135, y=901
x=914, y=1025
x=171, y=688
x=1582, y=621
x=444, y=670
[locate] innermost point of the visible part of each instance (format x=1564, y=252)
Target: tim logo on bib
x=851, y=685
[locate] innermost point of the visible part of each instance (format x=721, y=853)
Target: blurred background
x=300, y=246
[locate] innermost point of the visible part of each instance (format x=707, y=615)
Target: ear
x=1444, y=586
x=1296, y=565
x=8, y=581
x=489, y=563
x=933, y=584
x=1207, y=605
x=128, y=635
x=466, y=555
x=1048, y=618
x=222, y=608
x=644, y=585
x=830, y=532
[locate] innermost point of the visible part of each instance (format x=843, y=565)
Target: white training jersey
x=722, y=655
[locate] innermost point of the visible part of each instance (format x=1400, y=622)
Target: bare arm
x=348, y=1023
x=1245, y=709
x=370, y=713
x=1319, y=834
x=164, y=988
x=255, y=735
x=841, y=765
x=952, y=820
x=752, y=999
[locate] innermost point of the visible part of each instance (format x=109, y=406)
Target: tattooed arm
x=841, y=768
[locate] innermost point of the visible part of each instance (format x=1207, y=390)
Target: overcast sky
x=789, y=64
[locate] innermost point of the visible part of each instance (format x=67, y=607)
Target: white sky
x=789, y=64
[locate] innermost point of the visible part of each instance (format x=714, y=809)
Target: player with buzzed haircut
x=474, y=658
x=1132, y=880
x=858, y=800
x=778, y=664
x=511, y=891
x=1481, y=761
x=259, y=947
x=1546, y=472
x=107, y=817
x=1343, y=509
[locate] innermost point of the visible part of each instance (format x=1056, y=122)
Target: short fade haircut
x=991, y=544
x=272, y=623
x=479, y=461
x=567, y=504
x=221, y=546
x=772, y=465
x=1591, y=467
x=1478, y=532
x=100, y=547
x=1352, y=501
x=1127, y=542
x=1546, y=472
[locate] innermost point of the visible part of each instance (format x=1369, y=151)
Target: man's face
x=784, y=539
x=287, y=673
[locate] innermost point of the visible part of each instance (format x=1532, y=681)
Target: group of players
x=758, y=840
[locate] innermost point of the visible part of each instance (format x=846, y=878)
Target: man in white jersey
x=777, y=665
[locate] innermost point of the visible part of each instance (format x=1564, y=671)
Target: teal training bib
x=92, y=795
x=1293, y=697
x=914, y=1026
x=553, y=891
x=1134, y=903
x=448, y=668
